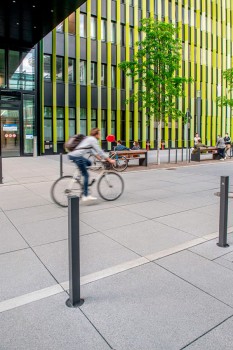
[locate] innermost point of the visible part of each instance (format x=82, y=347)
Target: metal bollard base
x=79, y=303
x=223, y=246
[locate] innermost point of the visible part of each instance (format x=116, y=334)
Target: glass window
x=113, y=32
x=83, y=72
x=93, y=73
x=60, y=124
x=71, y=70
x=103, y=30
x=28, y=122
x=72, y=122
x=60, y=28
x=83, y=25
x=60, y=68
x=93, y=118
x=2, y=68
x=22, y=70
x=71, y=23
x=131, y=126
x=103, y=124
x=93, y=27
x=113, y=76
x=113, y=122
x=48, y=130
x=131, y=37
x=83, y=121
x=47, y=67
x=104, y=75
x=139, y=125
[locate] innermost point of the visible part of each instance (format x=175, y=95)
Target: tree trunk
x=158, y=143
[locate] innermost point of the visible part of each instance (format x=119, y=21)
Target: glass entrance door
x=10, y=133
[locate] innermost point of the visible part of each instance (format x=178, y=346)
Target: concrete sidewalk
x=152, y=274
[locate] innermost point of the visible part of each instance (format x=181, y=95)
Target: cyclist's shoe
x=88, y=198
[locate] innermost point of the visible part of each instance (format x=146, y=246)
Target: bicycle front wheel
x=110, y=186
x=121, y=164
x=64, y=187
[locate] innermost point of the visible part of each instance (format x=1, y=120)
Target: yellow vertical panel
x=152, y=122
x=127, y=58
x=144, y=116
x=180, y=121
x=166, y=130
x=54, y=88
x=219, y=64
x=203, y=57
x=136, y=84
x=186, y=58
x=228, y=56
x=209, y=75
x=118, y=71
x=192, y=87
x=66, y=79
x=223, y=66
x=214, y=85
x=88, y=65
x=77, y=55
x=99, y=43
x=173, y=123
x=109, y=82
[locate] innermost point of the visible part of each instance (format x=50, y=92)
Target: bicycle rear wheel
x=110, y=186
x=121, y=164
x=63, y=187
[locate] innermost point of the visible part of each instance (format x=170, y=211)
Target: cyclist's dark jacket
x=227, y=140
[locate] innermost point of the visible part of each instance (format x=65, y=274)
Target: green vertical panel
x=209, y=73
x=136, y=84
x=41, y=63
x=152, y=121
x=228, y=56
x=144, y=116
x=180, y=122
x=127, y=58
x=99, y=63
x=66, y=79
x=109, y=63
x=88, y=65
x=54, y=87
x=203, y=58
x=173, y=123
x=77, y=56
x=166, y=130
x=219, y=64
x=118, y=71
x=223, y=66
x=186, y=58
x=214, y=85
x=192, y=57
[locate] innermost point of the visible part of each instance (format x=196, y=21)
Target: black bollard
x=0, y=169
x=176, y=154
x=224, y=187
x=169, y=155
x=74, y=253
x=61, y=165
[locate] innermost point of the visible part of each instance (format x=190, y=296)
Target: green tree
x=154, y=68
x=227, y=100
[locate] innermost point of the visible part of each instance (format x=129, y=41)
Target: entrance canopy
x=23, y=23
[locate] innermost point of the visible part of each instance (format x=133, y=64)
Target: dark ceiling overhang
x=23, y=23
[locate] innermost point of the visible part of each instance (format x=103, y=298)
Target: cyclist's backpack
x=73, y=142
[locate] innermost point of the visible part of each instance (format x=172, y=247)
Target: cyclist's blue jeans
x=82, y=164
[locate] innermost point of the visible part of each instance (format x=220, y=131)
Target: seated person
x=221, y=147
x=198, y=145
x=135, y=145
x=120, y=147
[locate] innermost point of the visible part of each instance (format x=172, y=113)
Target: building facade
x=78, y=85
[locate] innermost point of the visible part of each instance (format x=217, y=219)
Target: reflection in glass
x=71, y=70
x=60, y=28
x=93, y=28
x=59, y=68
x=103, y=124
x=71, y=23
x=93, y=73
x=83, y=121
x=83, y=25
x=47, y=67
x=83, y=73
x=60, y=124
x=48, y=134
x=28, y=122
x=2, y=68
x=93, y=118
x=72, y=121
x=22, y=70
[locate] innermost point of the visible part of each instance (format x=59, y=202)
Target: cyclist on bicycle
x=89, y=143
x=227, y=141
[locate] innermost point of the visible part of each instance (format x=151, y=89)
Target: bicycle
x=121, y=162
x=110, y=185
x=228, y=151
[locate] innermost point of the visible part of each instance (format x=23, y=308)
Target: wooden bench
x=141, y=155
x=196, y=157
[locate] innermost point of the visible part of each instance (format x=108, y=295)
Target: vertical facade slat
x=214, y=73
x=109, y=64
x=152, y=122
x=203, y=73
x=191, y=73
x=54, y=89
x=166, y=125
x=173, y=123
x=118, y=71
x=219, y=64
x=209, y=66
x=186, y=60
x=66, y=78
x=77, y=55
x=127, y=57
x=88, y=65
x=135, y=131
x=180, y=122
x=144, y=115
x=99, y=44
x=42, y=95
